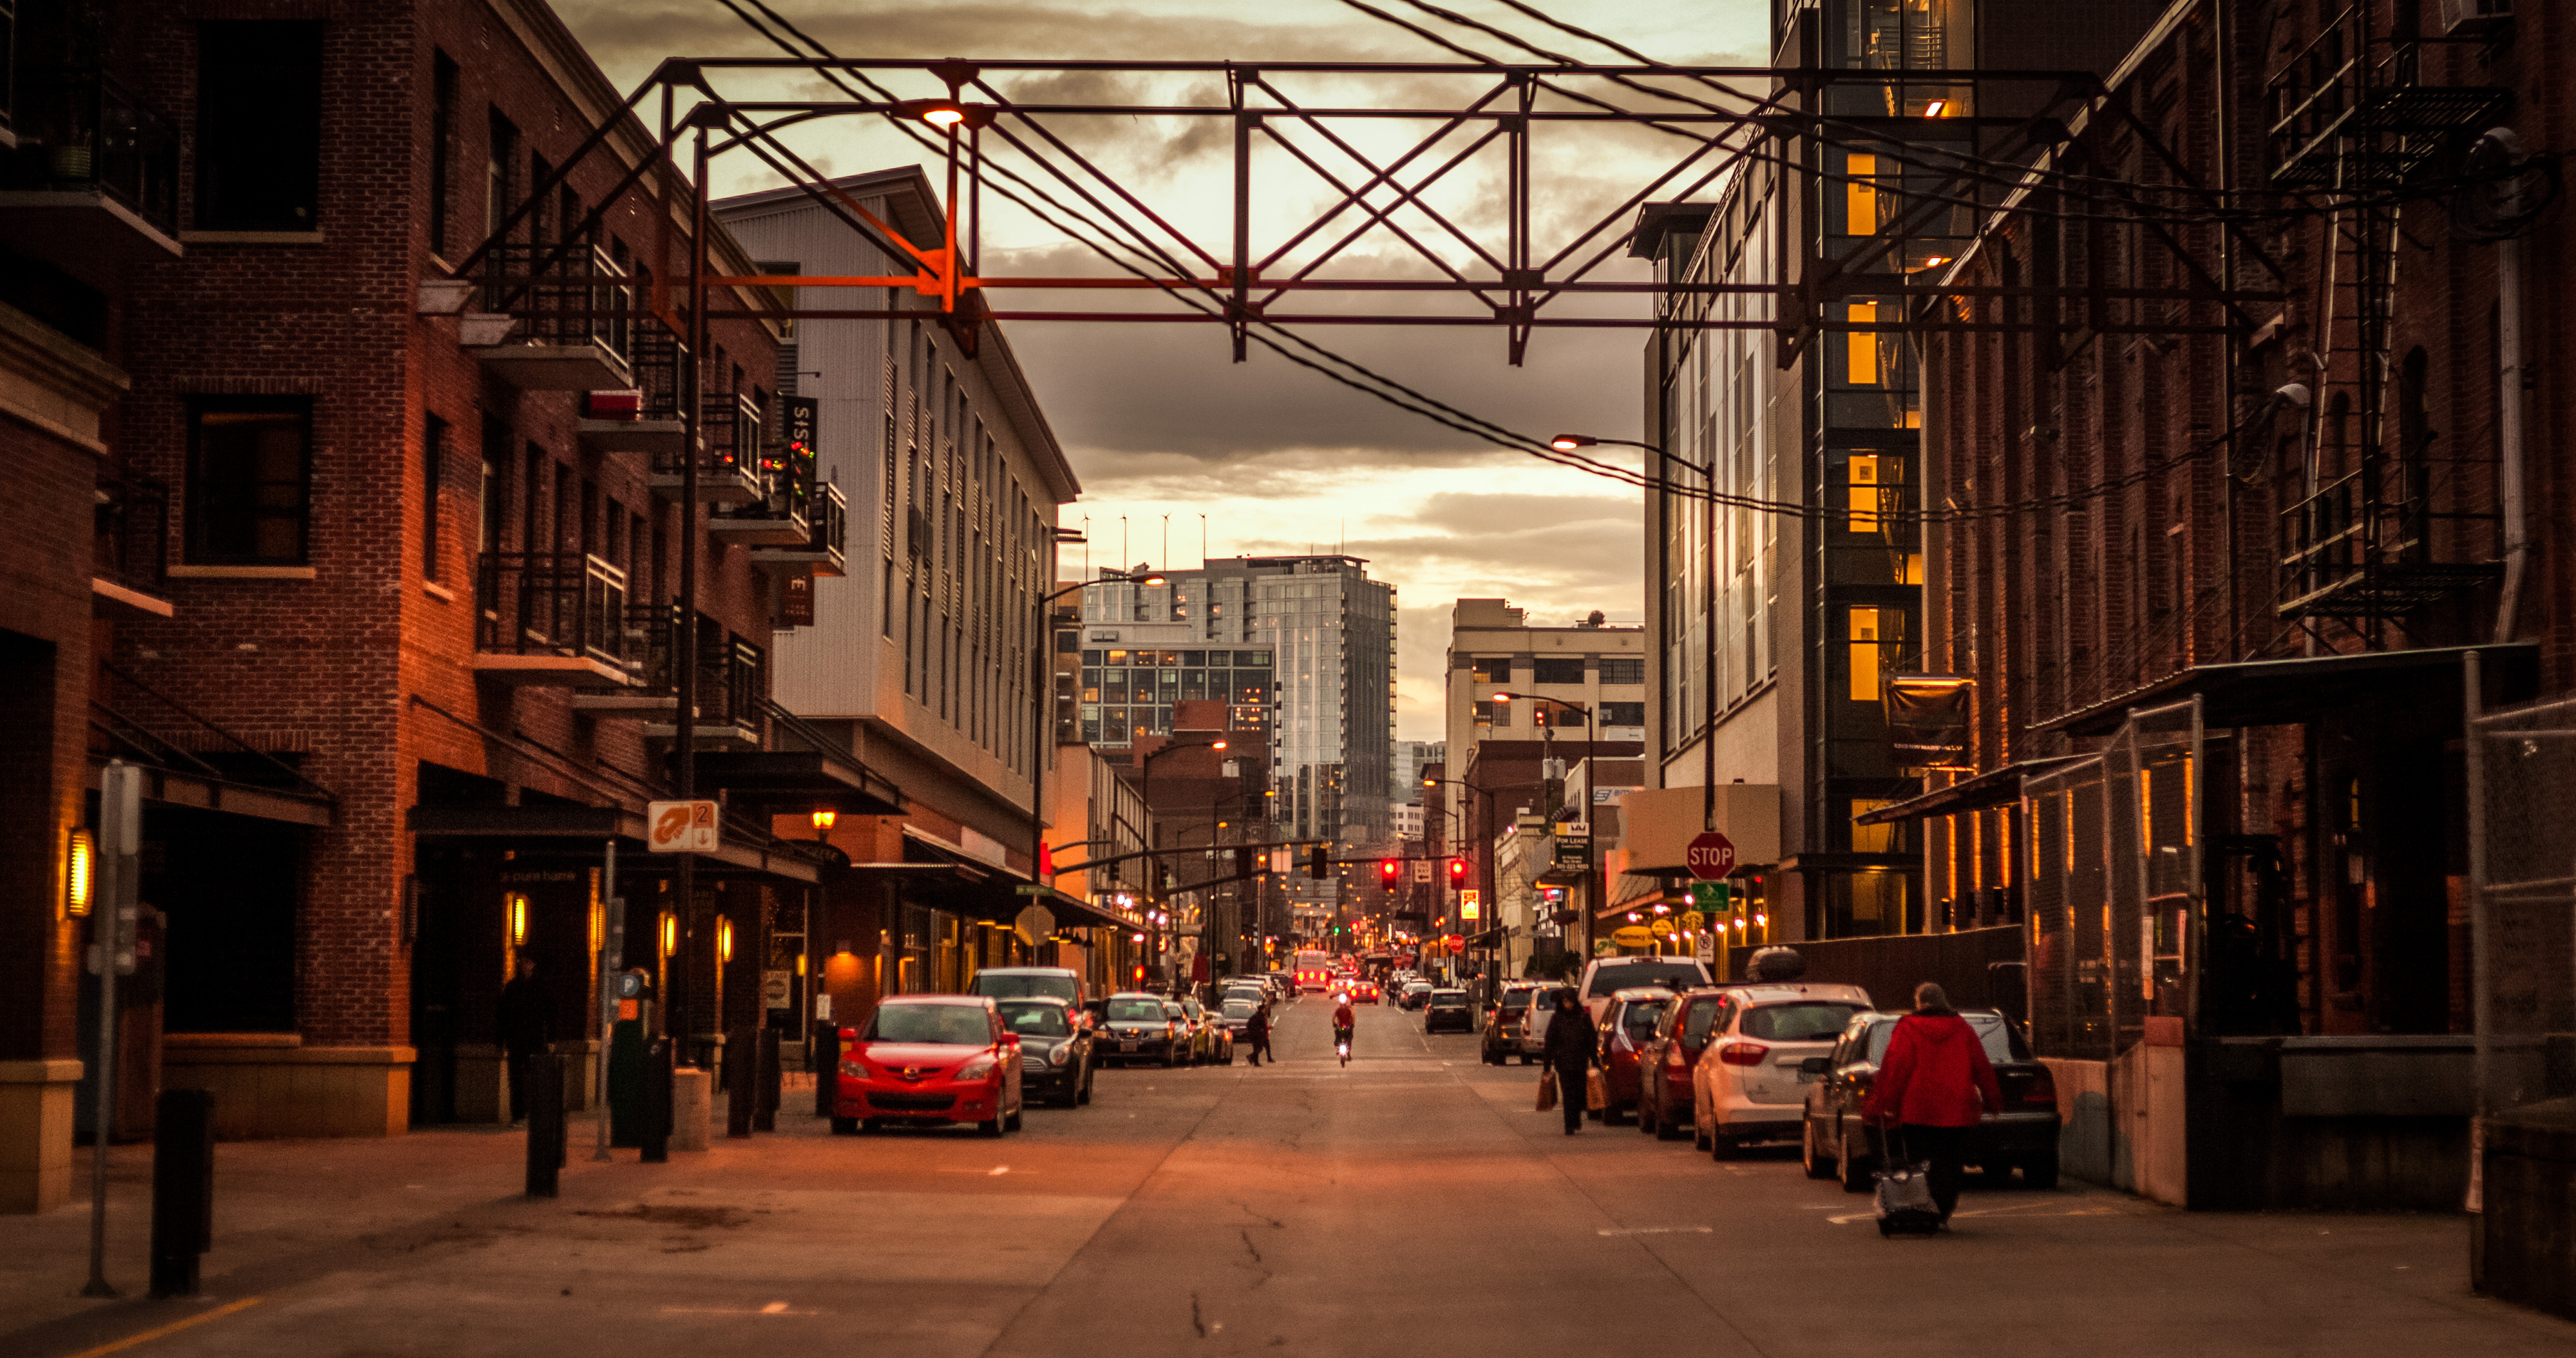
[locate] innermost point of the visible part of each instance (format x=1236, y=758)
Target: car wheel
x=1723, y=1147
x=1012, y=1123
x=1856, y=1177
x=2039, y=1175
x=1616, y=1113
x=845, y=1126
x=1666, y=1131
x=1645, y=1117
x=1701, y=1140
x=1816, y=1166
x=1085, y=1095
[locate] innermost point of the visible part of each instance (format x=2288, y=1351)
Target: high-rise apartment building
x=1308, y=639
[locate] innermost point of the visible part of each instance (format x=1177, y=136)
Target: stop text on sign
x=1711, y=856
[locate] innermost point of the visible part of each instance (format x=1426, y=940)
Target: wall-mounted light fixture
x=670, y=933
x=823, y=822
x=518, y=919
x=724, y=940
x=77, y=881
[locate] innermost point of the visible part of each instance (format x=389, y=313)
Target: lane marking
x=1656, y=1230
x=120, y=1345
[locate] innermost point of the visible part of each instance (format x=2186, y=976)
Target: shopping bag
x=1596, y=1090
x=1904, y=1203
x=1547, y=1090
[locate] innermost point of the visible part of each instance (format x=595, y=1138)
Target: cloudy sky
x=1277, y=459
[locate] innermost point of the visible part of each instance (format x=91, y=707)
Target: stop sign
x=1711, y=856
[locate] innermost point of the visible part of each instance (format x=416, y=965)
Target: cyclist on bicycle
x=1344, y=1022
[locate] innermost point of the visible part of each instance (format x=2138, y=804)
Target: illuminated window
x=1863, y=345
x=1864, y=655
x=1864, y=493
x=1860, y=196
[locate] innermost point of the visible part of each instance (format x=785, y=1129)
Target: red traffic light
x=1390, y=871
x=1457, y=872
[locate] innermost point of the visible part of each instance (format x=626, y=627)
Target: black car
x=1503, y=1023
x=1134, y=1026
x=2022, y=1136
x=1447, y=1010
x=1055, y=1049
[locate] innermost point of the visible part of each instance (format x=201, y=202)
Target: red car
x=1626, y=1027
x=1664, y=1086
x=928, y=1060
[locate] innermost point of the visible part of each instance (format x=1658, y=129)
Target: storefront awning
x=764, y=781
x=1996, y=787
x=584, y=829
x=2283, y=692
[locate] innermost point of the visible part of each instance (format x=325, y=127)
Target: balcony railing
x=551, y=603
x=559, y=295
x=2351, y=550
x=132, y=543
x=83, y=131
x=728, y=454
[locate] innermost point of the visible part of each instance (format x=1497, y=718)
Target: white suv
x=1747, y=1086
x=1604, y=977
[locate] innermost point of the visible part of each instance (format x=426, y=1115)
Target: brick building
x=401, y=629
x=2222, y=574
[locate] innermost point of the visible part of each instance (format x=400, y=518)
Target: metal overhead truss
x=1408, y=199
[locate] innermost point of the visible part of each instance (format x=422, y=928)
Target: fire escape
x=2369, y=544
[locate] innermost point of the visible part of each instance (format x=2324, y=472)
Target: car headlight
x=1050, y=1055
x=976, y=1069
x=850, y=1065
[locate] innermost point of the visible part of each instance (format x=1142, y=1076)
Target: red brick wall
x=363, y=670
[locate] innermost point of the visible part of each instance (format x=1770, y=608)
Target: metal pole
x=120, y=815
x=612, y=950
x=684, y=762
x=2481, y=983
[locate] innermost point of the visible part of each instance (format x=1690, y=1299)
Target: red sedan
x=927, y=1060
x=1626, y=1027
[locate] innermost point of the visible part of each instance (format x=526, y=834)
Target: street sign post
x=682, y=827
x=1711, y=856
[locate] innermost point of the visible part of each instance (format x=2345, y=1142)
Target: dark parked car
x=1503, y=1023
x=1445, y=1009
x=1414, y=995
x=1136, y=1027
x=1055, y=1049
x=1664, y=1063
x=2022, y=1136
x=1628, y=1026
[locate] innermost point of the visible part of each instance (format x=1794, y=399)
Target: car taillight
x=2041, y=1092
x=1742, y=1053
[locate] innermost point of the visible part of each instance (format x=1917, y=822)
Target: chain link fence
x=2114, y=871
x=2522, y=894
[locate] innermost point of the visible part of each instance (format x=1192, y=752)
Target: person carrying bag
x=1931, y=1089
x=1573, y=1048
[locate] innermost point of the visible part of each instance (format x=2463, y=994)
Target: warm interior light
x=824, y=820
x=1933, y=109
x=76, y=887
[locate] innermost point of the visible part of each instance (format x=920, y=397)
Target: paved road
x=1411, y=1204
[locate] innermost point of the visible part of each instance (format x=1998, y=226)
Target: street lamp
x=1042, y=700
x=1708, y=671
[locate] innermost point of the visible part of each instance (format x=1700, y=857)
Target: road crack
x=1197, y=1321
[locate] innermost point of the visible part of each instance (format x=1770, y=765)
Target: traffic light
x=1316, y=867
x=1457, y=872
x=1390, y=871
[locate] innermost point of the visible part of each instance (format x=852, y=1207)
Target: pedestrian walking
x=522, y=1024
x=1573, y=1049
x=1256, y=1031
x=1932, y=1087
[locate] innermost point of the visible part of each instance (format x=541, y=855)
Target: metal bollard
x=764, y=1114
x=823, y=1053
x=656, y=1139
x=545, y=1124
x=742, y=1084
x=183, y=1188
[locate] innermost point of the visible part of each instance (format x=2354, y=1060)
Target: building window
x=1494, y=669
x=442, y=147
x=250, y=472
x=259, y=126
x=1865, y=642
x=433, y=485
x=1557, y=669
x=1623, y=671
x=1623, y=714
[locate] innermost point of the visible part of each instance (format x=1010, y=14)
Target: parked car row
x=1747, y=1064
x=1020, y=1033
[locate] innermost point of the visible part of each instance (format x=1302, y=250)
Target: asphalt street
x=1411, y=1204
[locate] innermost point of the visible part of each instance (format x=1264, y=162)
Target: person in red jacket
x=1935, y=1083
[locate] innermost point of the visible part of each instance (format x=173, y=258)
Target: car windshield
x=1640, y=1020
x=1992, y=1032
x=1035, y=1019
x=1136, y=1011
x=1235, y=1009
x=1006, y=985
x=1606, y=979
x=1695, y=1024
x=1542, y=999
x=962, y=1025
x=1515, y=999
x=1803, y=1021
